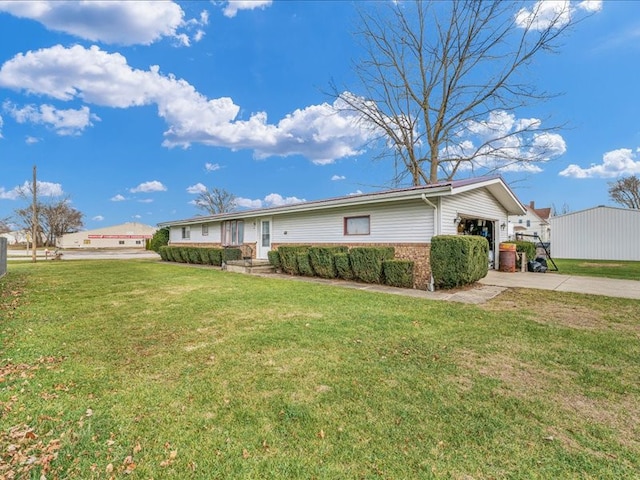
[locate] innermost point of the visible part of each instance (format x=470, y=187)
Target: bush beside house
x=199, y=255
x=458, y=260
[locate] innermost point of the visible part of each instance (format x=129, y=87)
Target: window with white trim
x=205, y=230
x=357, y=225
x=232, y=233
x=186, y=233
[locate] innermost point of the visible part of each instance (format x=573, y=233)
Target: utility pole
x=34, y=218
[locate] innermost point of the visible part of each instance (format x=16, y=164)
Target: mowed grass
x=143, y=369
x=625, y=270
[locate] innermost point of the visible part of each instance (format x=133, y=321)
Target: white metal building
x=599, y=233
x=126, y=235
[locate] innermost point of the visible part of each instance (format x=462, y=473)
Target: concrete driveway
x=564, y=283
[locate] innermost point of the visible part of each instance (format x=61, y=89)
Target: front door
x=264, y=237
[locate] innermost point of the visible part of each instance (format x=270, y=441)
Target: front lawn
x=160, y=370
x=599, y=268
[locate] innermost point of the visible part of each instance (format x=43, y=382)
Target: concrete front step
x=250, y=266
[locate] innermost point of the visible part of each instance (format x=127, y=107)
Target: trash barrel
x=507, y=257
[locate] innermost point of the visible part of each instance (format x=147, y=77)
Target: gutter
x=436, y=231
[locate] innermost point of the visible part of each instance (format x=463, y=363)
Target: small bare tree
x=4, y=225
x=216, y=200
x=54, y=220
x=626, y=191
x=441, y=83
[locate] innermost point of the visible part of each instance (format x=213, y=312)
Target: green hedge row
x=458, y=260
x=365, y=264
x=199, y=255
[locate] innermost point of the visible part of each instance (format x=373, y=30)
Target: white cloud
x=233, y=6
x=357, y=192
x=321, y=133
x=248, y=203
x=9, y=194
x=546, y=13
x=615, y=163
x=47, y=189
x=147, y=187
x=276, y=200
x=64, y=122
x=146, y=200
x=338, y=177
x=44, y=189
x=503, y=142
x=211, y=167
x=590, y=5
x=98, y=218
x=196, y=189
x=31, y=140
x=116, y=22
x=271, y=200
x=1, y=123
x=118, y=198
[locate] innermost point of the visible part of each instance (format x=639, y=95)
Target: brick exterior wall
x=419, y=253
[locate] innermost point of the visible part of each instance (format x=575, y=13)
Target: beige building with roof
x=125, y=235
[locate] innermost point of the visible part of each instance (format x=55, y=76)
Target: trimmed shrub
x=175, y=254
x=304, y=265
x=159, y=239
x=215, y=256
x=288, y=257
x=274, y=259
x=398, y=273
x=323, y=262
x=184, y=254
x=193, y=255
x=366, y=262
x=343, y=266
x=458, y=260
x=204, y=256
x=231, y=254
x=164, y=254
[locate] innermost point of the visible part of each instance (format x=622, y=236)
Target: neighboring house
x=534, y=222
x=598, y=233
x=406, y=219
x=126, y=235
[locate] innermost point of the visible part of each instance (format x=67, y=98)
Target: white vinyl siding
x=398, y=222
x=601, y=233
x=473, y=204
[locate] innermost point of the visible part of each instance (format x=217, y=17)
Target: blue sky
x=130, y=108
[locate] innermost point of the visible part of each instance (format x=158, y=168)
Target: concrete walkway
x=609, y=287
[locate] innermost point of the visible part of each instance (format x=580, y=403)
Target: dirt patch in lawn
x=568, y=310
x=529, y=382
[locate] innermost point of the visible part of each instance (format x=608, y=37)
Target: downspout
x=436, y=231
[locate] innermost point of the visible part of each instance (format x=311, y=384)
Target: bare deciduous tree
x=4, y=225
x=442, y=81
x=626, y=191
x=54, y=220
x=216, y=200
